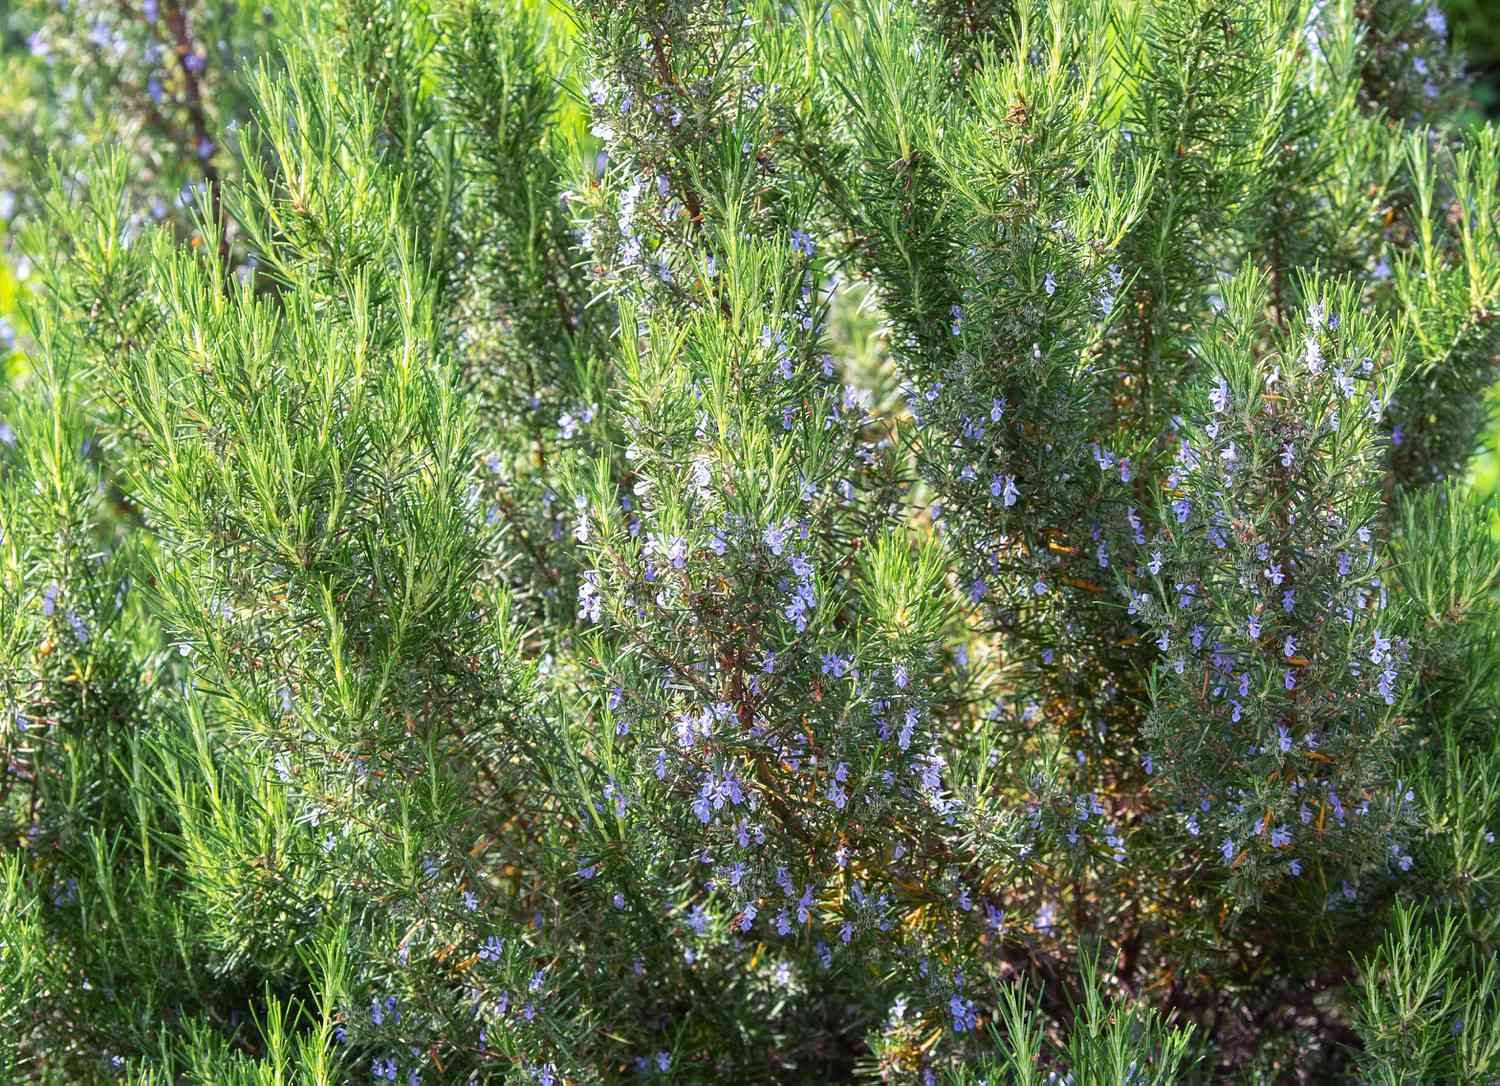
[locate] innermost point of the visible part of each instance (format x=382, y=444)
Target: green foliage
x=731, y=540
x=1426, y=1014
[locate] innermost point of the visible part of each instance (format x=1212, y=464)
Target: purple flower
x=1045, y=916
x=1386, y=685
x=1004, y=486
x=379, y=1012
x=1227, y=849
x=590, y=602
x=964, y=1017
x=1219, y=397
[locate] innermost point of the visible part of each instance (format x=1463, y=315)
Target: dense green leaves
x=472, y=609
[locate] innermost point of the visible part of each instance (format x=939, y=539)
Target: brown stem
x=664, y=72
x=177, y=23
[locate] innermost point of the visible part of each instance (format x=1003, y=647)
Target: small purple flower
x=964, y=1016
x=1219, y=397
x=1046, y=916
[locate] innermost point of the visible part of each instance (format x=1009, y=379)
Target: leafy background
x=1473, y=23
